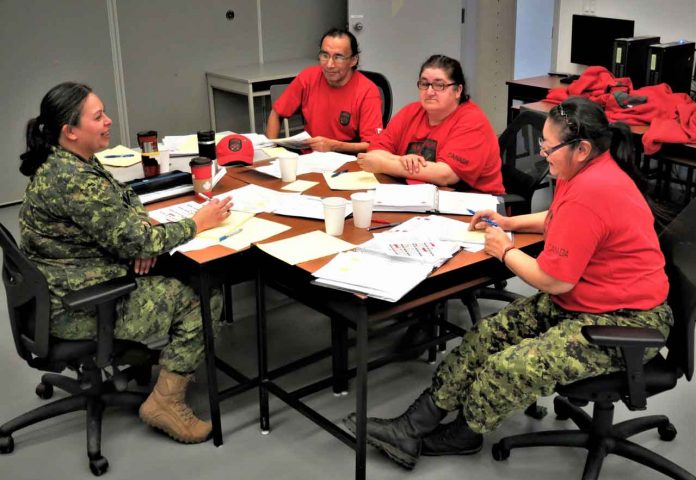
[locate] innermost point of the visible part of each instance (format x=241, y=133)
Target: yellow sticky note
x=299, y=185
x=351, y=181
x=274, y=152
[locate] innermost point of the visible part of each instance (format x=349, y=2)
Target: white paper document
x=315, y=162
x=459, y=203
x=296, y=142
x=416, y=247
x=378, y=276
x=305, y=247
x=255, y=199
x=306, y=206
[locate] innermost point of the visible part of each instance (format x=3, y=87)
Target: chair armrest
x=633, y=341
x=103, y=296
x=100, y=293
x=611, y=336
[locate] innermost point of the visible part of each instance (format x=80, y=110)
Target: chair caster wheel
x=6, y=444
x=99, y=466
x=500, y=453
x=536, y=411
x=667, y=432
x=44, y=390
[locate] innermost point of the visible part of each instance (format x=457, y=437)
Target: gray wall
x=43, y=43
x=166, y=47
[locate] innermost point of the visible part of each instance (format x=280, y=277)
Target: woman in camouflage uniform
x=81, y=227
x=601, y=265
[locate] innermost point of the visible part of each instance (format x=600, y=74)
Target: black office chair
x=598, y=434
x=296, y=119
x=29, y=314
x=385, y=92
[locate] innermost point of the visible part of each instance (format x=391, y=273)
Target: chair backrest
x=523, y=169
x=678, y=243
x=28, y=299
x=276, y=91
x=384, y=90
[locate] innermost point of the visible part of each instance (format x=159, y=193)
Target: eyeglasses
x=549, y=151
x=338, y=58
x=437, y=86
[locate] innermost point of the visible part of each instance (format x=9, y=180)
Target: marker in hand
x=484, y=219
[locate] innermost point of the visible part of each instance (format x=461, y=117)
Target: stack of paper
x=378, y=276
x=186, y=145
x=318, y=162
x=305, y=206
x=416, y=247
x=405, y=198
x=446, y=229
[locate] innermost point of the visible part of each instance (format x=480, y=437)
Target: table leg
x=361, y=396
x=262, y=353
x=229, y=308
x=339, y=352
x=209, y=340
x=252, y=114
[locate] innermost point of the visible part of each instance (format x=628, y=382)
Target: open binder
x=426, y=197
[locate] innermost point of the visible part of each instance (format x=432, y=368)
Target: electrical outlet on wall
x=589, y=6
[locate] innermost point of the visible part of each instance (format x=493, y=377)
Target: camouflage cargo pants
x=163, y=306
x=519, y=354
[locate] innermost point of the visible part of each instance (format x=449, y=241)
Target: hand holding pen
x=488, y=216
x=212, y=213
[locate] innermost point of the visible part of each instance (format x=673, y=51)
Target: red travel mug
x=202, y=173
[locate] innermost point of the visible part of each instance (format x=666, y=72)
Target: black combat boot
x=400, y=437
x=454, y=438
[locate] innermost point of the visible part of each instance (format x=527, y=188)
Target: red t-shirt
x=599, y=235
x=349, y=113
x=465, y=141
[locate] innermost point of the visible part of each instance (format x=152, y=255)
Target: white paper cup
x=288, y=166
x=334, y=215
x=362, y=208
x=163, y=159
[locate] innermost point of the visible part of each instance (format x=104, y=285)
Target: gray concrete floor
x=295, y=447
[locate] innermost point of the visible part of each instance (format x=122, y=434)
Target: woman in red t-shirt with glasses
x=601, y=265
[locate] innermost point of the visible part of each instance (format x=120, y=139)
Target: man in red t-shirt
x=342, y=108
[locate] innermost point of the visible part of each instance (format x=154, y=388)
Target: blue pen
x=225, y=237
x=485, y=219
x=120, y=156
x=336, y=174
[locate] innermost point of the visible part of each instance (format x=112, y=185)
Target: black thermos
x=206, y=144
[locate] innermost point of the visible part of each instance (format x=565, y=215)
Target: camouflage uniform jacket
x=80, y=226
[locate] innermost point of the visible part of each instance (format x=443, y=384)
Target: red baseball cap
x=235, y=150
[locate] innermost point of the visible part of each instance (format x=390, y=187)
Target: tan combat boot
x=166, y=409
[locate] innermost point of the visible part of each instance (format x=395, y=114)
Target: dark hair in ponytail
x=60, y=106
x=581, y=118
x=584, y=119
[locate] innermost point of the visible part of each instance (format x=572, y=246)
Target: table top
x=263, y=72
x=542, y=81
x=239, y=176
